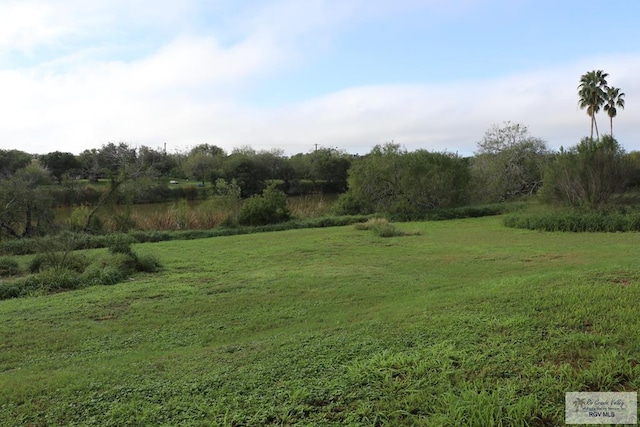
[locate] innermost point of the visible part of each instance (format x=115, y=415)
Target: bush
x=588, y=174
x=391, y=180
x=126, y=263
x=269, y=208
x=17, y=247
x=55, y=260
x=36, y=263
x=78, y=218
x=100, y=273
x=475, y=211
x=120, y=243
x=57, y=271
x=575, y=221
x=9, y=267
x=53, y=279
x=381, y=227
x=348, y=204
x=150, y=236
x=10, y=290
x=147, y=263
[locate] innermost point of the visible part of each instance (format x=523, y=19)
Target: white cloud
x=25, y=25
x=185, y=89
x=182, y=96
x=451, y=117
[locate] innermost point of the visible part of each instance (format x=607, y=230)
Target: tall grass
x=574, y=221
x=187, y=215
x=311, y=206
x=181, y=216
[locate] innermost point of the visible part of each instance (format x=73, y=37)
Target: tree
x=60, y=164
x=614, y=99
x=120, y=164
x=114, y=159
x=90, y=165
x=25, y=208
x=394, y=181
x=272, y=161
x=200, y=166
x=588, y=174
x=331, y=166
x=156, y=159
x=12, y=160
x=591, y=91
x=250, y=174
x=205, y=162
x=300, y=165
x=509, y=163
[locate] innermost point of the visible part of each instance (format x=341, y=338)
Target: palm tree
x=613, y=98
x=591, y=91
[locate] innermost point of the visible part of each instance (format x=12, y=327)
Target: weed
x=572, y=220
x=9, y=267
x=380, y=227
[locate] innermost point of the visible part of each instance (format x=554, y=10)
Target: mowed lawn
x=465, y=323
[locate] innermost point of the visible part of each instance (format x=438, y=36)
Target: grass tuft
x=381, y=227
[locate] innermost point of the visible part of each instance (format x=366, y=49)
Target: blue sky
x=289, y=74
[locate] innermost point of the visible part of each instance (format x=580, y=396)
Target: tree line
x=203, y=163
x=509, y=164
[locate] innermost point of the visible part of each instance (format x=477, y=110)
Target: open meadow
x=460, y=322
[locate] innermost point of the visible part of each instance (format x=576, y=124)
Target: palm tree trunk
x=596, y=125
x=611, y=122
x=592, y=120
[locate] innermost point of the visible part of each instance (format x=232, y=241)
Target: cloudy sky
x=289, y=74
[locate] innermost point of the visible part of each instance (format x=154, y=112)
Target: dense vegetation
x=246, y=187
x=510, y=165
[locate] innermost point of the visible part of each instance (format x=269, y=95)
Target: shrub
x=147, y=263
x=55, y=271
x=150, y=236
x=36, y=263
x=10, y=290
x=55, y=260
x=588, y=174
x=391, y=180
x=269, y=208
x=9, y=267
x=475, y=211
x=126, y=263
x=120, y=243
x=348, y=204
x=17, y=247
x=52, y=279
x=123, y=222
x=102, y=274
x=78, y=218
x=575, y=221
x=381, y=227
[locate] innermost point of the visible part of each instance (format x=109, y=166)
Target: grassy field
x=463, y=322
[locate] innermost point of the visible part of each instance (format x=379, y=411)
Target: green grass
x=461, y=322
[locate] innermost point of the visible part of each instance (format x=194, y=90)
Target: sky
x=290, y=74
